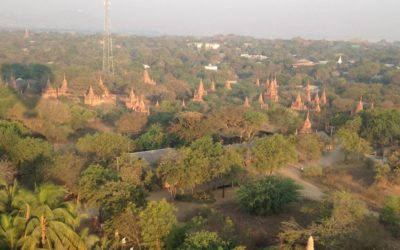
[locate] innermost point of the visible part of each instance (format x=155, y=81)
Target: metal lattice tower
x=108, y=57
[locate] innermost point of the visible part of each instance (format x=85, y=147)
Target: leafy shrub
x=314, y=170
x=205, y=240
x=268, y=195
x=390, y=215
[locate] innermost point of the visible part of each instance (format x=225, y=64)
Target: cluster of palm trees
x=40, y=219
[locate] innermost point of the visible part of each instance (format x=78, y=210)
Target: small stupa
x=307, y=126
x=147, y=79
x=359, y=107
x=298, y=104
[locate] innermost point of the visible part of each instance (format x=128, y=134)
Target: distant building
x=303, y=63
x=207, y=46
x=257, y=57
x=211, y=67
x=213, y=46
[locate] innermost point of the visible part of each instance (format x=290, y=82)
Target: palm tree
x=10, y=231
x=14, y=200
x=52, y=222
x=8, y=193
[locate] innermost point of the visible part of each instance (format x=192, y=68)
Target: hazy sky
x=330, y=19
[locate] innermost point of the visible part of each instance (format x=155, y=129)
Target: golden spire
x=318, y=108
x=157, y=104
x=90, y=91
x=63, y=90
x=183, y=103
x=360, y=106
x=258, y=82
x=147, y=79
x=307, y=126
x=199, y=93
x=298, y=103
x=49, y=92
x=272, y=90
x=310, y=243
x=316, y=99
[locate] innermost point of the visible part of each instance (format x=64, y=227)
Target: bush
x=205, y=240
x=268, y=195
x=312, y=171
x=390, y=215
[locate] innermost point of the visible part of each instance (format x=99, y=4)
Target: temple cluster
x=51, y=92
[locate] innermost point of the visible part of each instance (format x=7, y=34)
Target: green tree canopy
x=105, y=146
x=380, y=126
x=271, y=153
x=351, y=143
x=156, y=222
x=268, y=196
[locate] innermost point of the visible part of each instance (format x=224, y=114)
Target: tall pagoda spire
x=147, y=79
x=49, y=92
x=307, y=126
x=316, y=99
x=310, y=243
x=63, y=90
x=317, y=108
x=359, y=107
x=272, y=90
x=298, y=103
x=131, y=101
x=200, y=92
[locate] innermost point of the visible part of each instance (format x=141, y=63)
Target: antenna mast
x=108, y=57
